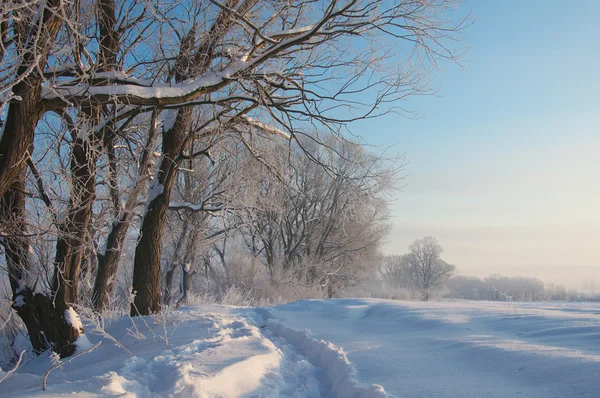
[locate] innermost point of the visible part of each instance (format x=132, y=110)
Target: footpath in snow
x=351, y=348
x=215, y=351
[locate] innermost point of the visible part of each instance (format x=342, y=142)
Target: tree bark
x=146, y=267
x=187, y=267
x=23, y=115
x=174, y=263
x=108, y=262
x=75, y=235
x=73, y=241
x=34, y=309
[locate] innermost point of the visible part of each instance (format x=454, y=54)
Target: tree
x=118, y=76
x=429, y=271
x=396, y=272
x=320, y=223
x=468, y=288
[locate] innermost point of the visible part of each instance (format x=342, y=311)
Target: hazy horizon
x=503, y=166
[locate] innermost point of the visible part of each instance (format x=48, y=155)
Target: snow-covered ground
x=337, y=348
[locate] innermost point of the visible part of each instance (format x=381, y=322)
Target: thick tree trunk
x=34, y=309
x=146, y=267
x=23, y=115
x=43, y=317
x=73, y=242
x=19, y=127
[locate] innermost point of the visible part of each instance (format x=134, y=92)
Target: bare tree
x=320, y=220
x=396, y=272
x=429, y=271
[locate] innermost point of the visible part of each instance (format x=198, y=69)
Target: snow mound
x=194, y=352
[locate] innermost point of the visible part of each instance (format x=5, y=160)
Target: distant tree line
x=518, y=288
x=422, y=274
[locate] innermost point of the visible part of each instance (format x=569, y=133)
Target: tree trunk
x=146, y=267
x=191, y=62
x=45, y=323
x=23, y=115
x=43, y=317
x=34, y=309
x=72, y=244
x=174, y=263
x=187, y=266
x=330, y=291
x=19, y=127
x=169, y=283
x=186, y=284
x=108, y=260
x=75, y=235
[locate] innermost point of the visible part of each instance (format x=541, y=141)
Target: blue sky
x=504, y=162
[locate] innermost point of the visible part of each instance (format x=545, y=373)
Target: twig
x=58, y=365
x=509, y=300
x=13, y=370
x=98, y=326
x=115, y=342
x=7, y=320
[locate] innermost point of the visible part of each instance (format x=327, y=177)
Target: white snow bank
x=195, y=352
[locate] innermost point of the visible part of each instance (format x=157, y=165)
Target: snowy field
x=337, y=348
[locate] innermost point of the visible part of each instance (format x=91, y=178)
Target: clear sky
x=504, y=164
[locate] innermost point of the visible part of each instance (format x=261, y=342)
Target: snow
x=361, y=348
x=137, y=92
x=72, y=318
x=19, y=301
x=266, y=128
x=154, y=191
x=137, y=89
x=466, y=349
x=186, y=205
x=170, y=117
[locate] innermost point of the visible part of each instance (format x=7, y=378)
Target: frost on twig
x=58, y=365
x=510, y=302
x=14, y=369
